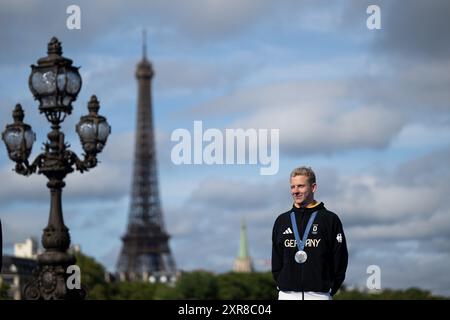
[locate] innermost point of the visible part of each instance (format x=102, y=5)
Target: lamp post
x=55, y=83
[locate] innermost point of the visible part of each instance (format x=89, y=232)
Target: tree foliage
x=204, y=285
x=387, y=294
x=4, y=288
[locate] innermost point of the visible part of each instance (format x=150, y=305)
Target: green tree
x=165, y=292
x=263, y=286
x=197, y=285
x=135, y=290
x=206, y=285
x=256, y=285
x=233, y=286
x=4, y=291
x=387, y=294
x=92, y=277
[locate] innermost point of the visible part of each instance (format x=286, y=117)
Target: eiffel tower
x=145, y=253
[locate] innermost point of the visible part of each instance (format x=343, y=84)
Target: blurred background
x=367, y=109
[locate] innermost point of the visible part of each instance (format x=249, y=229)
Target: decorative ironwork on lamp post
x=55, y=83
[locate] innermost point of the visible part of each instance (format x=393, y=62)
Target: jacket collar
x=309, y=209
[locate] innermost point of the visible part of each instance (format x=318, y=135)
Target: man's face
x=302, y=192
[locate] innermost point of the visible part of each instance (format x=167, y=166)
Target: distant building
x=27, y=249
x=17, y=270
x=75, y=248
x=243, y=262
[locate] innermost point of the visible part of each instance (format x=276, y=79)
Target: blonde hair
x=304, y=171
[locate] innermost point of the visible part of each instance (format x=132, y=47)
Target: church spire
x=243, y=243
x=243, y=262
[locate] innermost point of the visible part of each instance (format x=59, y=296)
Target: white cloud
x=371, y=198
x=18, y=188
x=320, y=129
x=233, y=194
x=406, y=227
x=312, y=117
x=417, y=135
x=13, y=223
x=105, y=181
x=403, y=264
x=403, y=227
x=190, y=76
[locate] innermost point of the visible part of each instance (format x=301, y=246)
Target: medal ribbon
x=301, y=243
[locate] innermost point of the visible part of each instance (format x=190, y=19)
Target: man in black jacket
x=309, y=250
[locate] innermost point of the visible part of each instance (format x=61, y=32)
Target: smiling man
x=309, y=250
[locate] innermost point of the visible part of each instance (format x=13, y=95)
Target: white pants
x=309, y=295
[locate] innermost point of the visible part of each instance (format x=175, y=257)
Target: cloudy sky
x=367, y=109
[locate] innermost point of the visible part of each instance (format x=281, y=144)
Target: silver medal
x=300, y=256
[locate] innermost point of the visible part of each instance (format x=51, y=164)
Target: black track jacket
x=326, y=247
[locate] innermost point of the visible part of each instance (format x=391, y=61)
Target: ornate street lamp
x=18, y=137
x=56, y=84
